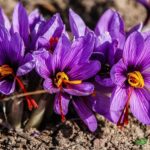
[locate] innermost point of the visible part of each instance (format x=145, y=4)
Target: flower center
x=61, y=77
x=5, y=70
x=135, y=79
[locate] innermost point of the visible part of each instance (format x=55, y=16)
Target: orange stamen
x=135, y=79
x=5, y=70
x=61, y=77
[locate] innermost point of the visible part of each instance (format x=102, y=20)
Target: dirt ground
x=73, y=135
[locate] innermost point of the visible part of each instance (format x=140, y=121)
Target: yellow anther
x=61, y=77
x=135, y=79
x=5, y=70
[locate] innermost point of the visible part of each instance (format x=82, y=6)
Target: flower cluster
x=101, y=71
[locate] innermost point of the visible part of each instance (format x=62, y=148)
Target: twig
x=24, y=94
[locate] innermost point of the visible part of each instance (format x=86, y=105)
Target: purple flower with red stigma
x=132, y=78
x=14, y=64
x=33, y=29
x=66, y=70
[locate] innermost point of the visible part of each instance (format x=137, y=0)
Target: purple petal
x=100, y=104
x=104, y=81
x=137, y=27
x=146, y=76
x=20, y=22
x=77, y=25
x=4, y=20
x=80, y=51
x=7, y=87
x=145, y=35
x=102, y=42
x=59, y=56
x=4, y=34
x=34, y=18
x=84, y=71
x=48, y=85
x=107, y=20
x=117, y=73
x=16, y=49
x=118, y=101
x=27, y=65
x=133, y=48
x=85, y=114
x=42, y=43
x=82, y=89
x=52, y=28
x=42, y=67
x=64, y=99
x=140, y=105
x=111, y=22
x=4, y=45
x=144, y=59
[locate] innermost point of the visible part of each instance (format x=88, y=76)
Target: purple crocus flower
x=14, y=64
x=132, y=78
x=109, y=41
x=65, y=73
x=33, y=29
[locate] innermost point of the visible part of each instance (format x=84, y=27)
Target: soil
x=73, y=134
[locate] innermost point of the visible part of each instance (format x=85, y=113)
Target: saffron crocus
x=33, y=29
x=65, y=73
x=132, y=78
x=109, y=41
x=14, y=64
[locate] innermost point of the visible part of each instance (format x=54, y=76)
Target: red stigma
x=123, y=120
x=30, y=101
x=61, y=110
x=53, y=41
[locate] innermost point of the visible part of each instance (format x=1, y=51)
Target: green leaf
x=141, y=141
